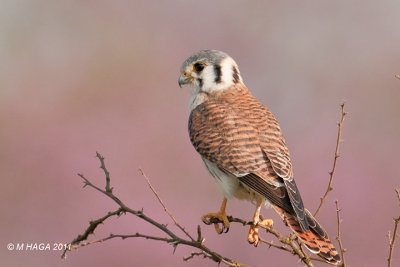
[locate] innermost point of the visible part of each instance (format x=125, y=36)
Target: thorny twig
x=107, y=174
x=171, y=238
x=332, y=172
x=193, y=254
x=90, y=230
x=339, y=237
x=394, y=236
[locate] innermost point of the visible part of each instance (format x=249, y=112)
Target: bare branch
x=332, y=172
x=172, y=238
x=394, y=236
x=163, y=205
x=90, y=230
x=271, y=244
x=338, y=237
x=111, y=236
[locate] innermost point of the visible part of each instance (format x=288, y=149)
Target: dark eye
x=198, y=67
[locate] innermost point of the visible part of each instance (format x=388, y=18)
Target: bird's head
x=208, y=71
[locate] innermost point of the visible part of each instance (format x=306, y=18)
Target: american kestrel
x=241, y=145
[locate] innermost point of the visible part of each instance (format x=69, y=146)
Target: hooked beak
x=183, y=79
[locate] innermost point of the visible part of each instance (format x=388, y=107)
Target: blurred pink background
x=78, y=77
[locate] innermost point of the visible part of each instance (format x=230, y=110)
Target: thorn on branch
x=193, y=254
x=200, y=238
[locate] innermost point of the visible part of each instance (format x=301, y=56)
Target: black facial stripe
x=235, y=75
x=218, y=73
x=200, y=83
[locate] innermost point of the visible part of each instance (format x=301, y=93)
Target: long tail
x=315, y=239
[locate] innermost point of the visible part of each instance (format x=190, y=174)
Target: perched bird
x=242, y=147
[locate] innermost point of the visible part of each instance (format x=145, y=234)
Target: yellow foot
x=253, y=232
x=216, y=219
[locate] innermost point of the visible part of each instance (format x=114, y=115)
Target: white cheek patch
x=209, y=76
x=227, y=71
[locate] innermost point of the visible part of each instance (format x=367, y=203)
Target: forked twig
x=90, y=230
x=332, y=172
x=172, y=238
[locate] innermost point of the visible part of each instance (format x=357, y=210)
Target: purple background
x=78, y=77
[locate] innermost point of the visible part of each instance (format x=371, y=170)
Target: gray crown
x=210, y=57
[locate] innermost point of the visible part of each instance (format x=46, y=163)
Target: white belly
x=230, y=185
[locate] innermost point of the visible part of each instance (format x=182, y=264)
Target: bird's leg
x=253, y=232
x=220, y=216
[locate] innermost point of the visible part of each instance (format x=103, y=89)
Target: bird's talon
x=253, y=235
x=222, y=219
x=206, y=220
